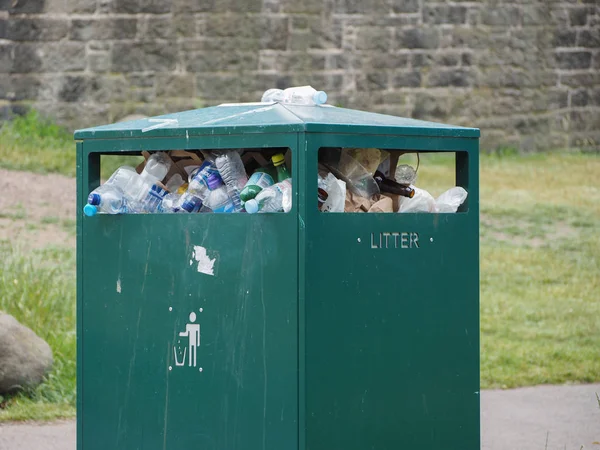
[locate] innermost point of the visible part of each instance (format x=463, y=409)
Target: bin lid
x=235, y=118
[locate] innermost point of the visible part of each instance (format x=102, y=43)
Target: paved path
x=568, y=417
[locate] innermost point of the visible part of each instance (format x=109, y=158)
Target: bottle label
x=261, y=179
x=226, y=208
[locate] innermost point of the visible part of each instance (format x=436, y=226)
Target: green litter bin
x=297, y=331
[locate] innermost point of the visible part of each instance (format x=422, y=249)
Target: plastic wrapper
x=422, y=202
x=450, y=200
x=358, y=179
x=369, y=158
x=336, y=193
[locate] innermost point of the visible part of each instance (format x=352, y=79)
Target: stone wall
x=525, y=71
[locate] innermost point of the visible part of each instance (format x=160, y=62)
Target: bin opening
x=253, y=180
x=378, y=180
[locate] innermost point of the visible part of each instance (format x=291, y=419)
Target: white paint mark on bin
x=206, y=264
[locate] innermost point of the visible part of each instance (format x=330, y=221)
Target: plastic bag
x=336, y=193
x=422, y=202
x=450, y=200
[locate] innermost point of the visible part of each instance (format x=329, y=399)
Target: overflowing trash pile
x=198, y=181
x=359, y=180
x=259, y=181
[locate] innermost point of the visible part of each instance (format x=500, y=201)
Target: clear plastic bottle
x=275, y=198
x=107, y=199
x=190, y=203
x=232, y=171
x=146, y=193
x=218, y=200
x=300, y=95
x=170, y=203
x=111, y=198
x=272, y=95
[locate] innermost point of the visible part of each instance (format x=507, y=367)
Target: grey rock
x=88, y=29
x=6, y=58
x=589, y=38
x=580, y=98
x=26, y=58
x=578, y=16
x=143, y=56
x=37, y=29
x=25, y=358
x=445, y=14
x=405, y=6
x=500, y=16
x=451, y=77
x=564, y=38
x=573, y=60
x=26, y=6
x=62, y=56
x=419, y=38
x=407, y=79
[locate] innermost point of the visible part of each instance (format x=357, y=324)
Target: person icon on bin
x=192, y=331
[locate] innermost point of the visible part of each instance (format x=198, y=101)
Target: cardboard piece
x=355, y=203
x=383, y=205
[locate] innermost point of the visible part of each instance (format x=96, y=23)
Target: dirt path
x=37, y=210
x=543, y=417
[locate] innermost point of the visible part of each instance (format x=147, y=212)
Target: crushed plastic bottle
x=261, y=178
x=300, y=95
x=275, y=198
x=218, y=200
x=232, y=171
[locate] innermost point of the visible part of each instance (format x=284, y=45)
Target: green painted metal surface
x=272, y=118
x=312, y=336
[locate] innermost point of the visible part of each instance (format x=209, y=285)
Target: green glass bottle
x=279, y=163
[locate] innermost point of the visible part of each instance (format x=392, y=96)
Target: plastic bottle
x=272, y=95
x=275, y=198
x=260, y=179
x=110, y=198
x=279, y=163
x=301, y=95
x=218, y=200
x=146, y=193
x=190, y=203
x=170, y=203
x=198, y=185
x=232, y=171
x=107, y=199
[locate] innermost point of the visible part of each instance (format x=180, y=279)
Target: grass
x=39, y=290
x=35, y=144
x=540, y=267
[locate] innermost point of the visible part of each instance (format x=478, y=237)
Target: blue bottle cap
x=90, y=210
x=94, y=199
x=320, y=97
x=251, y=206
